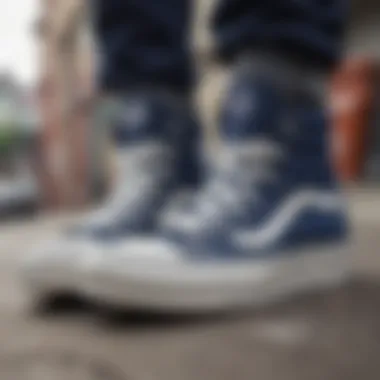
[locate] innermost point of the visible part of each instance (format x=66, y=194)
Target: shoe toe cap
x=55, y=254
x=144, y=251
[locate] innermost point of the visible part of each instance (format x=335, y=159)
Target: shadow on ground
x=331, y=335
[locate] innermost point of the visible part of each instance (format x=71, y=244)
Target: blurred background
x=49, y=140
x=55, y=159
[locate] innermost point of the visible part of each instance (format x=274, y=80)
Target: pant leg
x=308, y=30
x=143, y=43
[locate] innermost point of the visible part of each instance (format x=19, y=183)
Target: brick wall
x=63, y=62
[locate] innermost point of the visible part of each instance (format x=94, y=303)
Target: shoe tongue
x=139, y=120
x=145, y=157
x=252, y=110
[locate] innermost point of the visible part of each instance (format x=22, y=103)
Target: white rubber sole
x=57, y=267
x=41, y=286
x=204, y=287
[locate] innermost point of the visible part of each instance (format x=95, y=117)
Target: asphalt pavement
x=331, y=335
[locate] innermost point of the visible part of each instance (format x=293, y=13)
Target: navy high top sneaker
x=268, y=223
x=155, y=138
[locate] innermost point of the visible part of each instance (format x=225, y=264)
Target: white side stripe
x=279, y=223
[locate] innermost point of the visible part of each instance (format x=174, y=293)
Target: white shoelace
x=141, y=171
x=238, y=171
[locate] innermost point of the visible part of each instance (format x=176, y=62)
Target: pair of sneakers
x=262, y=221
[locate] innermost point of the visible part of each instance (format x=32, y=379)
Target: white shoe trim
x=200, y=286
x=284, y=217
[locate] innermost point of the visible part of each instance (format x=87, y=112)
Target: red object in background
x=352, y=100
x=63, y=170
x=77, y=138
x=51, y=194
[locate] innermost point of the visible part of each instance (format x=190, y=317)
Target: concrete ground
x=334, y=335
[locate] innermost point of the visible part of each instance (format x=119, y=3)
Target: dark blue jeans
x=145, y=42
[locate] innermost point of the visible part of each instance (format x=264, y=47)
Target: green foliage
x=10, y=135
